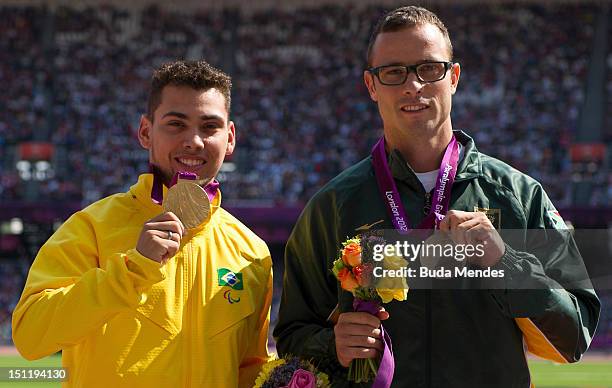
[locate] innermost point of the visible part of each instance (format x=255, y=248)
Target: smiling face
x=190, y=131
x=413, y=109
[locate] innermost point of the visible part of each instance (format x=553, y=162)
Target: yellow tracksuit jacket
x=122, y=320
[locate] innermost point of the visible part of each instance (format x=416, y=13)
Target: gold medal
x=189, y=202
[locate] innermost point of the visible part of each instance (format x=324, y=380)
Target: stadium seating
x=77, y=77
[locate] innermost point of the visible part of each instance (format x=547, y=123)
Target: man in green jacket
x=441, y=337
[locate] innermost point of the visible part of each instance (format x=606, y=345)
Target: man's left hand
x=474, y=228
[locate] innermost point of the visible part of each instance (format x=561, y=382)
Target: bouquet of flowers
x=355, y=272
x=291, y=372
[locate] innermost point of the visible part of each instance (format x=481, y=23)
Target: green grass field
x=17, y=361
x=586, y=374
x=591, y=374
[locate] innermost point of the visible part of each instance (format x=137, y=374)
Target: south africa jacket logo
x=494, y=215
x=227, y=277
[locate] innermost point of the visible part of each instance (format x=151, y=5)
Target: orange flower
x=351, y=254
x=347, y=280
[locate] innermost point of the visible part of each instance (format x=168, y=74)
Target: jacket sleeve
x=257, y=353
x=310, y=291
x=67, y=294
x=547, y=289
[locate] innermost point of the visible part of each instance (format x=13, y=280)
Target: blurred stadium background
x=535, y=91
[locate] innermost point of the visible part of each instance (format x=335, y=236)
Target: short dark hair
x=199, y=75
x=406, y=17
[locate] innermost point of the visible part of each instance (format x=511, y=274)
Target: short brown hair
x=198, y=75
x=405, y=17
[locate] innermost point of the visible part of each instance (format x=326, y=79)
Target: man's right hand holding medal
x=160, y=237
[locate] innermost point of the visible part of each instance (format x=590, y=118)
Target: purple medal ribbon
x=442, y=191
x=157, y=191
x=384, y=376
x=395, y=208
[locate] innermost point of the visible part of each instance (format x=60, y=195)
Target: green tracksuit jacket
x=441, y=337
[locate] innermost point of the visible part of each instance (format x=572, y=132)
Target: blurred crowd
x=606, y=186
x=521, y=86
x=24, y=80
x=78, y=78
x=13, y=274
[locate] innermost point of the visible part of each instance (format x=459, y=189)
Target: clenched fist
x=474, y=228
x=160, y=237
x=358, y=335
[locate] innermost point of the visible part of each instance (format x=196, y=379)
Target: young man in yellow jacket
x=135, y=296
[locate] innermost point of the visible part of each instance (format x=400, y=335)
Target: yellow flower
x=394, y=262
x=388, y=287
x=387, y=295
x=266, y=369
x=322, y=380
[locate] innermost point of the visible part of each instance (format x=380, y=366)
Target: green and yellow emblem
x=227, y=277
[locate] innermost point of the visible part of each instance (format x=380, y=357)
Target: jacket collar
x=469, y=166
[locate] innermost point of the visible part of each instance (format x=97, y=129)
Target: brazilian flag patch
x=230, y=278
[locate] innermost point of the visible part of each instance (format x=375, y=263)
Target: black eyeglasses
x=398, y=74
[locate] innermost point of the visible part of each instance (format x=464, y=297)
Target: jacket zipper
x=426, y=210
x=186, y=304
x=427, y=206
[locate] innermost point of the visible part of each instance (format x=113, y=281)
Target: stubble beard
x=159, y=171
